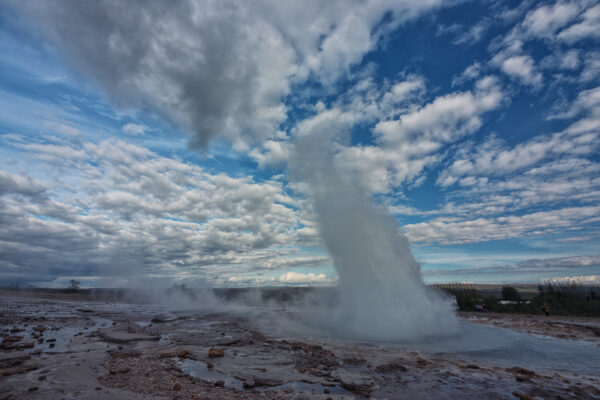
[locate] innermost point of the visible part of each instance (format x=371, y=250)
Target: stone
x=118, y=370
x=182, y=353
x=177, y=387
x=391, y=367
x=212, y=353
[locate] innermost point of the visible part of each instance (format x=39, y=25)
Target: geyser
x=382, y=295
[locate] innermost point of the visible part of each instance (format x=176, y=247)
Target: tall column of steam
x=382, y=293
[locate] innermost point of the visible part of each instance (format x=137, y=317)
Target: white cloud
x=545, y=20
x=523, y=68
x=273, y=154
x=297, y=278
x=591, y=69
x=134, y=129
x=577, y=280
x=585, y=28
x=62, y=128
x=124, y=210
x=413, y=140
x=449, y=230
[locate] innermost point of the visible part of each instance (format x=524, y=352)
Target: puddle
x=305, y=387
x=199, y=370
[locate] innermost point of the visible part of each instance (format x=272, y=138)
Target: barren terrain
x=58, y=349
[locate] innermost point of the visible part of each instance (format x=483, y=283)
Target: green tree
x=510, y=293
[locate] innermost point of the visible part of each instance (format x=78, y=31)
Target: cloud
x=273, y=154
x=593, y=280
x=523, y=68
x=217, y=68
x=555, y=264
x=567, y=60
x=134, y=212
x=23, y=185
x=586, y=27
x=62, y=128
x=453, y=230
x=297, y=278
x=591, y=69
x=405, y=145
x=545, y=20
x=134, y=129
x=474, y=34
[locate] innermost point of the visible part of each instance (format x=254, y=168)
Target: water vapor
x=382, y=295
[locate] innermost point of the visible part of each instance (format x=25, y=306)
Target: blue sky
x=152, y=141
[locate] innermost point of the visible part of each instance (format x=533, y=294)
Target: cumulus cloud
x=408, y=143
x=216, y=68
x=453, y=230
x=523, y=68
x=133, y=211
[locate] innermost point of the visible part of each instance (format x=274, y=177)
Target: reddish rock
x=177, y=387
x=212, y=353
x=183, y=353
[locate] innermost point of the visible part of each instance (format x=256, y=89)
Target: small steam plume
x=382, y=295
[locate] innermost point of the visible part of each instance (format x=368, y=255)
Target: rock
x=124, y=354
x=472, y=366
x=521, y=396
x=32, y=389
x=182, y=353
x=354, y=382
x=391, y=367
x=249, y=384
x=520, y=371
x=11, y=339
x=124, y=333
x=39, y=328
x=220, y=383
x=212, y=353
x=177, y=387
x=354, y=361
x=118, y=370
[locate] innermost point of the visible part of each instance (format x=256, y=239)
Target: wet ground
x=60, y=349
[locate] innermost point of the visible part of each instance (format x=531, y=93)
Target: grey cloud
x=216, y=68
x=135, y=213
x=23, y=185
x=534, y=265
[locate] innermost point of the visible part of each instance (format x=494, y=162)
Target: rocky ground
x=59, y=349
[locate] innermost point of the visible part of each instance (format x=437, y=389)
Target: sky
x=150, y=141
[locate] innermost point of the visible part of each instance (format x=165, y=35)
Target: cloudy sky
x=151, y=140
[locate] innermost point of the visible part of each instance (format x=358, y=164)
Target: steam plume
x=381, y=291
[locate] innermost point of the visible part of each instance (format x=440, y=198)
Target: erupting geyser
x=382, y=293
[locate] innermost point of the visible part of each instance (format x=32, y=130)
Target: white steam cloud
x=382, y=295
